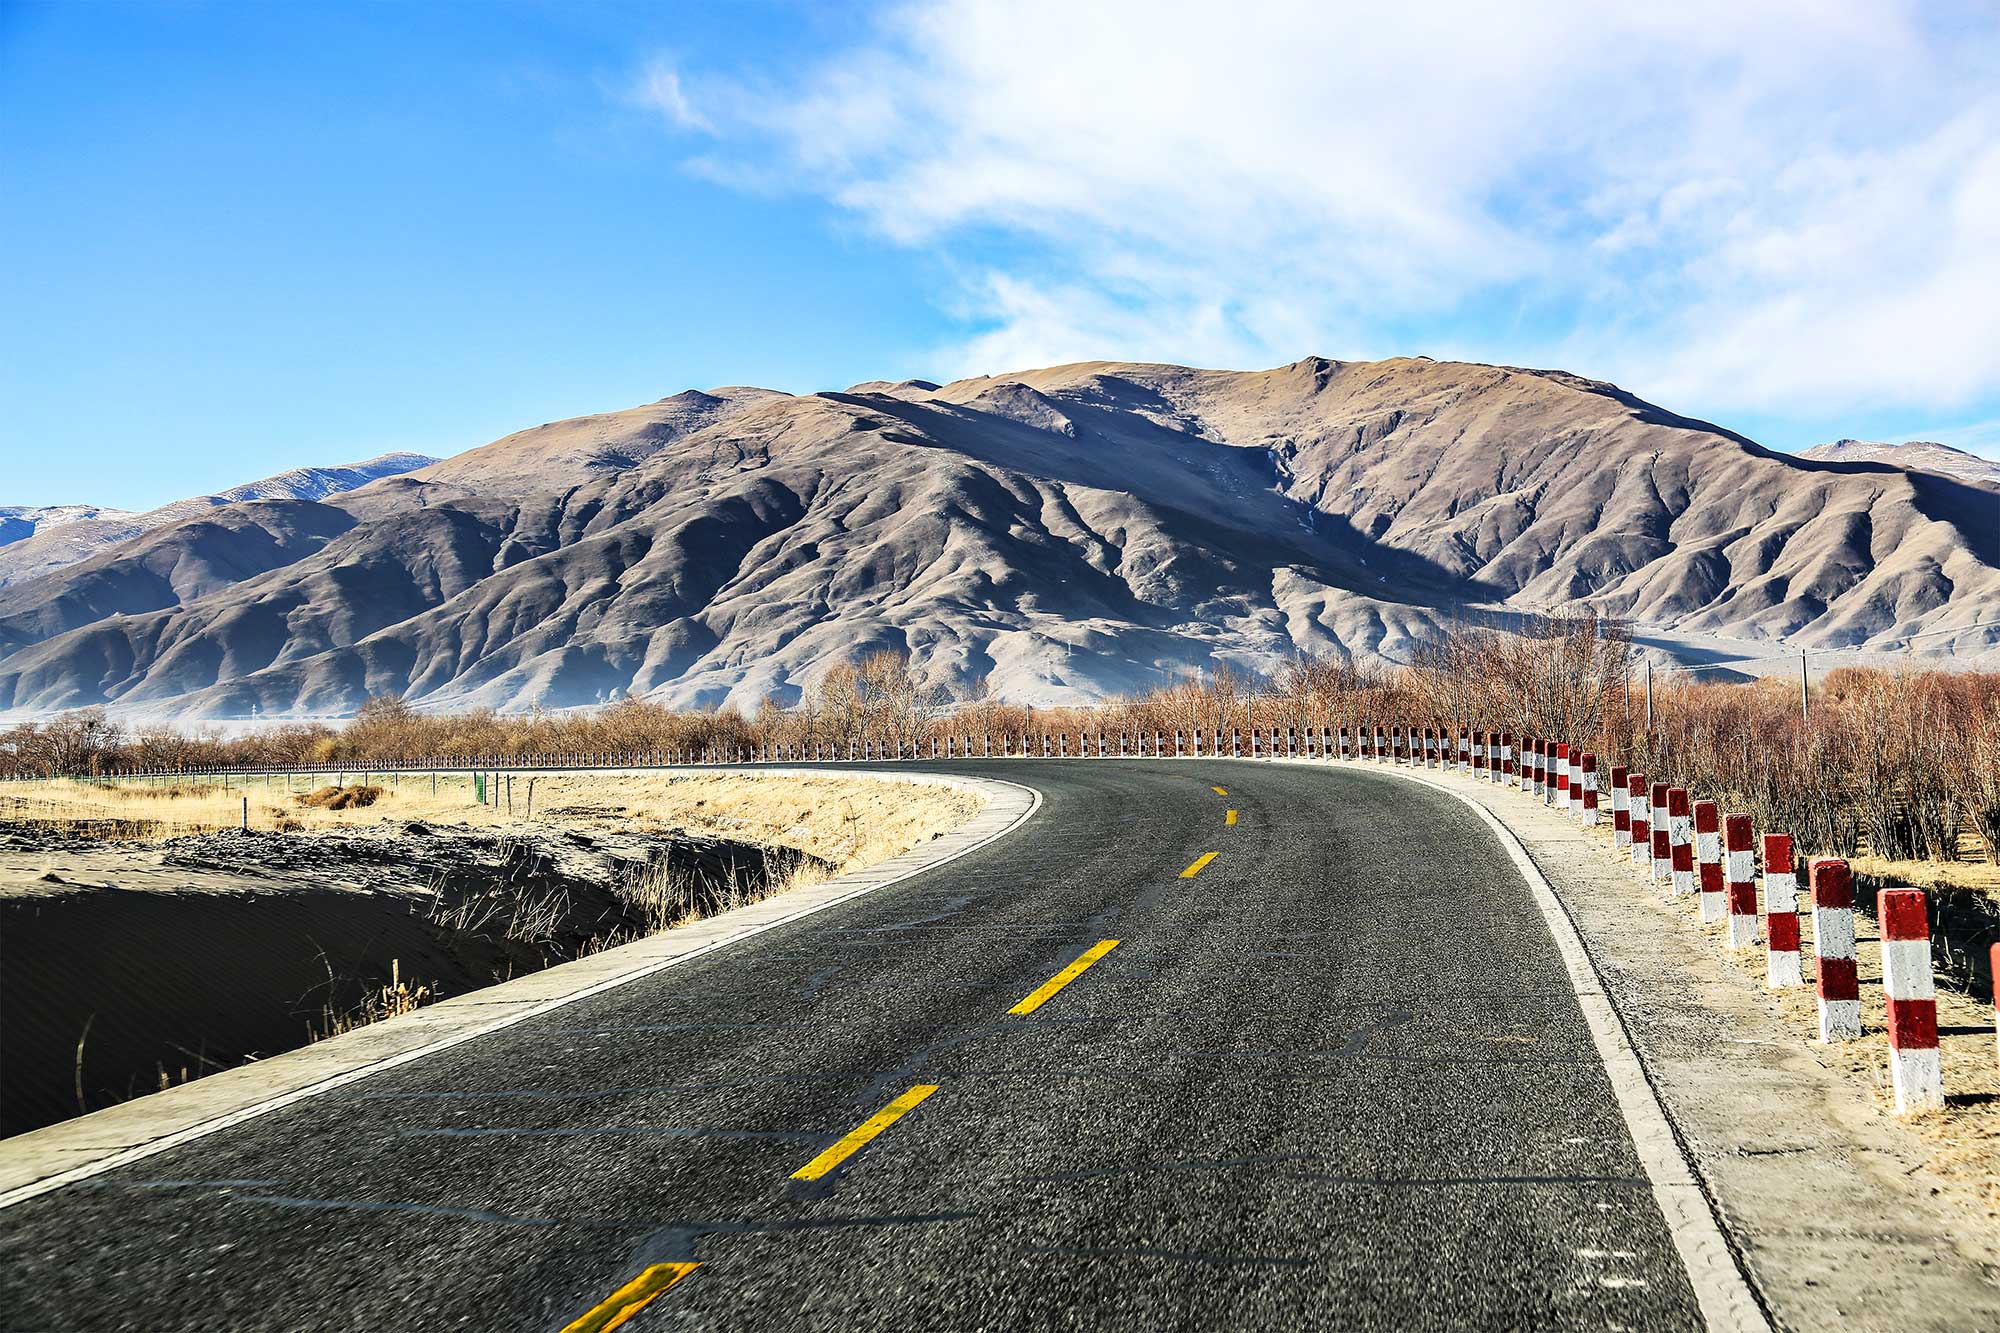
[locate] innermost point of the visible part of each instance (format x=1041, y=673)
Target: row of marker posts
x=1689, y=847
x=1692, y=849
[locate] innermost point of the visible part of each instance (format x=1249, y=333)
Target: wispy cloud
x=1775, y=205
x=659, y=87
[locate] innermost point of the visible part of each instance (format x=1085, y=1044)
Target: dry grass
x=1974, y=877
x=846, y=822
x=396, y=998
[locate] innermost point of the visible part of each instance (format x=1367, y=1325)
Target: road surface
x=1335, y=1077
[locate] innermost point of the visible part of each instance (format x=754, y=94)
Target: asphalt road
x=1335, y=1079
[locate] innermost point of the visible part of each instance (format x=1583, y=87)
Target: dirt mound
x=341, y=798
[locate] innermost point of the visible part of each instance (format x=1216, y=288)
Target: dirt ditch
x=125, y=967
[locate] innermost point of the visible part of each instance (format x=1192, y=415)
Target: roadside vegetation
x=1900, y=766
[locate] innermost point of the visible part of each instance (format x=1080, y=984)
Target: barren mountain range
x=34, y=542
x=1056, y=534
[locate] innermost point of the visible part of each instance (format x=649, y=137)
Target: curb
x=49, y=1158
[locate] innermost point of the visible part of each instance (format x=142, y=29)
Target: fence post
x=1915, y=1067
x=1833, y=949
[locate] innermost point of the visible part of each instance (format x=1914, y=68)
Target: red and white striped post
x=1740, y=868
x=1532, y=750
x=1621, y=807
x=1915, y=1067
x=1708, y=860
x=1507, y=774
x=1642, y=825
x=1586, y=774
x=1559, y=777
x=1680, y=840
x=1663, y=841
x=1833, y=949
x=1464, y=749
x=1781, y=914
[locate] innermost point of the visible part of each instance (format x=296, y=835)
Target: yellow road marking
x=629, y=1299
x=1195, y=869
x=1220, y=791
x=870, y=1127
x=1229, y=818
x=1042, y=993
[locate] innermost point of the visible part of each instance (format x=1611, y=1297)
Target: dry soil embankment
x=130, y=964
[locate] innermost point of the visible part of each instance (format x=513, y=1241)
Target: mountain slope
x=1927, y=455
x=20, y=522
x=1060, y=533
x=51, y=546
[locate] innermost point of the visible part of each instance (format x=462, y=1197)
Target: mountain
x=81, y=531
x=19, y=522
x=1928, y=455
x=1058, y=534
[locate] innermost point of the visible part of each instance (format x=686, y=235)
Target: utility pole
x=1649, y=696
x=1805, y=691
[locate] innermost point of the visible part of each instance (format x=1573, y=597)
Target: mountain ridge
x=52, y=547
x=1057, y=534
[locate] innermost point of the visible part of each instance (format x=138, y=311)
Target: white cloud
x=659, y=87
x=1770, y=205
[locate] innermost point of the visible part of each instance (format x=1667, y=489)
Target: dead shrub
x=341, y=798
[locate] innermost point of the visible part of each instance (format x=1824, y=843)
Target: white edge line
x=1720, y=1289
x=125, y=1156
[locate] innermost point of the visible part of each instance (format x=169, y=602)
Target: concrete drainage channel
x=46, y=1159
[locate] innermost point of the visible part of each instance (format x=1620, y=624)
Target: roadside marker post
x=1680, y=841
x=1740, y=867
x=1833, y=949
x=1587, y=776
x=1561, y=783
x=1708, y=856
x=1663, y=863
x=1915, y=1067
x=1621, y=807
x=1642, y=831
x=1781, y=914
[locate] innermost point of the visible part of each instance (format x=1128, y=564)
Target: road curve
x=1335, y=1077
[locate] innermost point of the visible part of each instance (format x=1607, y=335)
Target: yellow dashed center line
x=870, y=1127
x=629, y=1299
x=1229, y=818
x=1195, y=869
x=1041, y=994
x=1220, y=791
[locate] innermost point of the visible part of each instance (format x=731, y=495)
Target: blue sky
x=243, y=237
